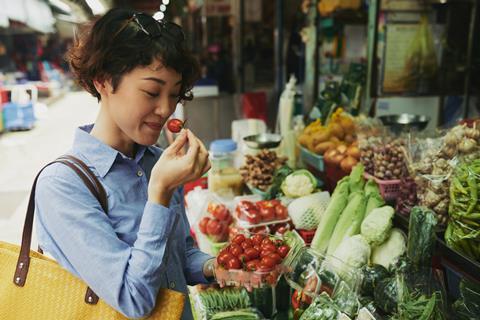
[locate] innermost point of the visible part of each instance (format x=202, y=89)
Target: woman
x=138, y=69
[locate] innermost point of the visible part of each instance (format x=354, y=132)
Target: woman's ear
x=104, y=87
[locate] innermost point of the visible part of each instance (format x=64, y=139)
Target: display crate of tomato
x=215, y=222
x=251, y=214
x=252, y=260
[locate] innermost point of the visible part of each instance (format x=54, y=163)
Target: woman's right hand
x=176, y=167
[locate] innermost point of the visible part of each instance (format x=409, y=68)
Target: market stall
x=374, y=221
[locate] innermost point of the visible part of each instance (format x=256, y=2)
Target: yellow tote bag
x=33, y=286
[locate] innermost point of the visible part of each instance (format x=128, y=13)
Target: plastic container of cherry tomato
x=252, y=260
x=213, y=225
x=254, y=214
x=313, y=273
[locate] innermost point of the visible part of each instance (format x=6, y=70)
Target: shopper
x=138, y=69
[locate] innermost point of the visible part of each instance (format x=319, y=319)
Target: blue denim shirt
x=129, y=254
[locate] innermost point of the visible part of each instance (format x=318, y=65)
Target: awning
x=34, y=13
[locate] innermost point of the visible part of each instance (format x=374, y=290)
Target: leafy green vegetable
x=388, y=253
x=212, y=301
x=349, y=222
x=386, y=295
x=356, y=181
x=374, y=201
x=241, y=314
x=376, y=227
x=371, y=187
x=372, y=277
x=299, y=183
x=329, y=219
x=354, y=251
x=278, y=178
x=421, y=237
x=415, y=305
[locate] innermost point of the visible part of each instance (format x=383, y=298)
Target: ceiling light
x=96, y=6
x=163, y=8
x=165, y=2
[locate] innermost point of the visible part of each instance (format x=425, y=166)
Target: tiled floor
x=22, y=154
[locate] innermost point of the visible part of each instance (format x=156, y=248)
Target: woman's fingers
x=193, y=147
x=179, y=143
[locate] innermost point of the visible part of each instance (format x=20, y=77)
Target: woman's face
x=143, y=101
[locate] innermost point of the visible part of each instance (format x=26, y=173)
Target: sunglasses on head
x=154, y=28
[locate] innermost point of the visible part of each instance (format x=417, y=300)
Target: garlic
x=467, y=145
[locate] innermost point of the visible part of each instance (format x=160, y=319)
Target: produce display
x=252, y=260
x=215, y=224
x=437, y=159
x=228, y=303
x=348, y=252
x=463, y=232
x=259, y=169
x=251, y=214
x=306, y=212
x=336, y=141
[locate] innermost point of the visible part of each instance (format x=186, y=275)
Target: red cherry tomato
x=283, y=251
x=175, y=125
x=295, y=300
x=278, y=242
x=282, y=229
x=243, y=258
x=236, y=250
x=224, y=258
x=239, y=238
x=269, y=247
x=276, y=257
x=202, y=225
x=214, y=227
x=258, y=248
x=281, y=212
x=252, y=265
x=247, y=205
x=268, y=262
x=248, y=243
x=221, y=212
x=234, y=263
x=267, y=213
x=266, y=241
x=257, y=239
x=252, y=253
x=253, y=216
x=275, y=202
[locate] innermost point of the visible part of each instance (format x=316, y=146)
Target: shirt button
x=172, y=284
x=139, y=173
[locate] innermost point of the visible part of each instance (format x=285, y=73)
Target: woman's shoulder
x=59, y=171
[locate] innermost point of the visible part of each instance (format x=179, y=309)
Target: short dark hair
x=100, y=53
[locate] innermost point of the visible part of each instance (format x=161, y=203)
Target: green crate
x=312, y=159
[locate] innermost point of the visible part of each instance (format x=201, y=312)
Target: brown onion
x=348, y=163
x=353, y=151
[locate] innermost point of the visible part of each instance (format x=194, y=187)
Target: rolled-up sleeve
x=78, y=234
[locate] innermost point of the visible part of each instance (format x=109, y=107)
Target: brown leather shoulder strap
x=95, y=187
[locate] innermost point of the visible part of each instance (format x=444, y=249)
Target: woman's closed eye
x=151, y=94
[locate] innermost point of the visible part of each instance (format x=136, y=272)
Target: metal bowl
x=263, y=141
x=405, y=122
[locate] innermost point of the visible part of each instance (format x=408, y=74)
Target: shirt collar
x=100, y=155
